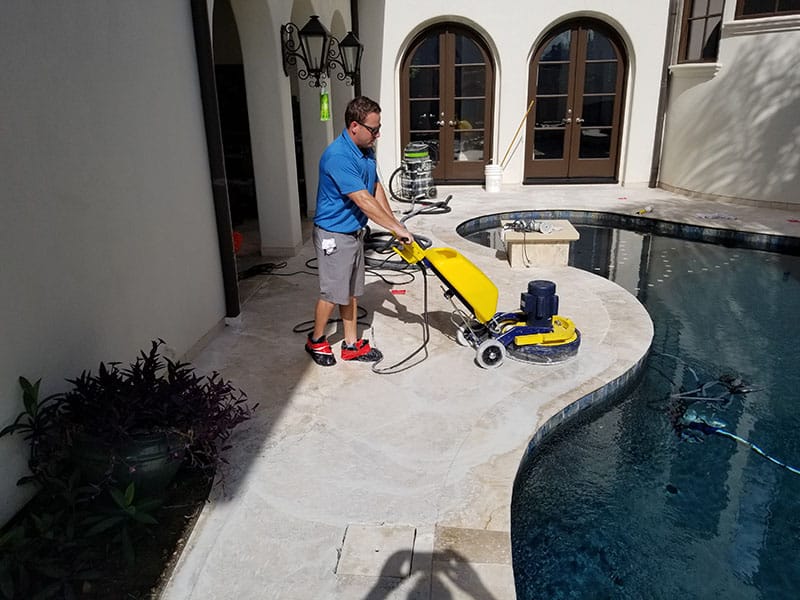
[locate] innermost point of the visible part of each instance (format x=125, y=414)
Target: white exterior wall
x=108, y=236
x=513, y=29
x=736, y=133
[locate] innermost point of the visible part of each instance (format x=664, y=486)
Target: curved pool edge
x=617, y=333
x=484, y=502
x=604, y=395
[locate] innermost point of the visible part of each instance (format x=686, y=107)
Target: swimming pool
x=627, y=502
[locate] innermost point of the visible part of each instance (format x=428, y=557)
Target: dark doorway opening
x=232, y=97
x=231, y=86
x=298, y=156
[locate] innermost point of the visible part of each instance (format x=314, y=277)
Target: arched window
x=576, y=81
x=447, y=85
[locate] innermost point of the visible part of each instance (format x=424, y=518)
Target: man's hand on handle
x=404, y=235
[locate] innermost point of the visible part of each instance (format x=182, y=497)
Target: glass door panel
x=469, y=100
x=427, y=53
x=558, y=49
x=424, y=82
x=553, y=79
x=550, y=127
x=599, y=47
x=601, y=77
x=599, y=106
x=469, y=132
x=423, y=90
x=552, y=112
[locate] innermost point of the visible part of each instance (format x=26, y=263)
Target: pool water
x=628, y=502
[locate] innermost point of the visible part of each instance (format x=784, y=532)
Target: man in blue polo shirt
x=348, y=195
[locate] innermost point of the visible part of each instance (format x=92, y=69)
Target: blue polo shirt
x=343, y=169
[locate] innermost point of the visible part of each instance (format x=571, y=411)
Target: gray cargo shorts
x=340, y=263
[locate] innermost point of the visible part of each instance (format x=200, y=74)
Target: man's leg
x=354, y=348
x=322, y=314
x=316, y=345
x=348, y=313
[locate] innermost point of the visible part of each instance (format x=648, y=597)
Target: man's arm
x=380, y=196
x=378, y=210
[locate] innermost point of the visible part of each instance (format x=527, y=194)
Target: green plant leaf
x=145, y=518
x=119, y=498
x=104, y=525
x=129, y=492
x=16, y=425
x=30, y=395
x=149, y=505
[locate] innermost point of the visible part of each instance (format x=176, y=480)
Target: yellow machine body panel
x=469, y=283
x=412, y=253
x=564, y=332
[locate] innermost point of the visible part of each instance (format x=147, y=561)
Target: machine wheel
x=461, y=336
x=490, y=354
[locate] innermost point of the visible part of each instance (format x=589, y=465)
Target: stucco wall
x=107, y=236
x=736, y=133
x=513, y=29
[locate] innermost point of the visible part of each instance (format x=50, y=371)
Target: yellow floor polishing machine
x=535, y=333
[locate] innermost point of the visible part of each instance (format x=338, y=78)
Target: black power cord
x=434, y=208
x=260, y=269
x=306, y=326
x=379, y=243
x=426, y=336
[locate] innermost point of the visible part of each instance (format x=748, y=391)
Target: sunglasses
x=373, y=130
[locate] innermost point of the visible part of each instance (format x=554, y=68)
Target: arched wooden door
x=576, y=78
x=446, y=90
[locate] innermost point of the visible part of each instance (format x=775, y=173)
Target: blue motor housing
x=539, y=303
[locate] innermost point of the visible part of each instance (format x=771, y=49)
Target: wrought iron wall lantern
x=347, y=55
x=314, y=51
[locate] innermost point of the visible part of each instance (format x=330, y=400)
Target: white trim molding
x=695, y=70
x=764, y=25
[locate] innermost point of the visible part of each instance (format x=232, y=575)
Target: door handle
x=566, y=121
x=579, y=120
x=440, y=123
x=452, y=123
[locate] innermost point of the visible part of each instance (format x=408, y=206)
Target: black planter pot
x=150, y=461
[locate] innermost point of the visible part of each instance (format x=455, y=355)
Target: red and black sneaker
x=362, y=351
x=320, y=351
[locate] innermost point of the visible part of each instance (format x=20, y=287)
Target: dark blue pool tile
x=730, y=237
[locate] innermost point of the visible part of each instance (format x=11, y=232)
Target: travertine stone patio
x=354, y=485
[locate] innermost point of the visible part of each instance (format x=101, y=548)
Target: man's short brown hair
x=358, y=108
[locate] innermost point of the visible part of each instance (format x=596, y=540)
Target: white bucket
x=494, y=178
